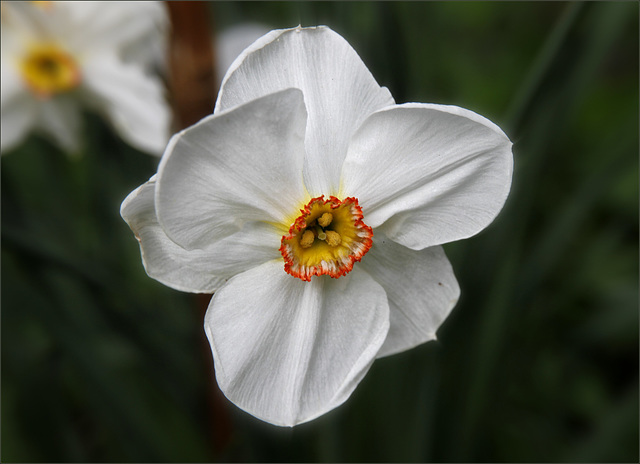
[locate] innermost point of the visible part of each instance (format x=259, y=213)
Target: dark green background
x=539, y=360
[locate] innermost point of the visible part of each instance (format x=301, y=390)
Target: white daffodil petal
x=231, y=168
x=288, y=351
x=123, y=25
x=17, y=120
x=196, y=271
x=339, y=92
x=430, y=174
x=164, y=260
x=132, y=100
x=421, y=288
x=22, y=23
x=59, y=118
x=11, y=84
x=18, y=110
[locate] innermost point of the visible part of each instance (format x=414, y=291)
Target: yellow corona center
x=326, y=239
x=48, y=70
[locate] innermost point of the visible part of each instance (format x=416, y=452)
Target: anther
x=333, y=238
x=325, y=219
x=307, y=239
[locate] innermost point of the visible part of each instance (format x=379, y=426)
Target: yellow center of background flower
x=326, y=239
x=49, y=70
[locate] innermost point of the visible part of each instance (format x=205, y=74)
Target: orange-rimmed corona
x=327, y=238
x=48, y=70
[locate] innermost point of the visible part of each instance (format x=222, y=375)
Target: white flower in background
x=61, y=57
x=315, y=207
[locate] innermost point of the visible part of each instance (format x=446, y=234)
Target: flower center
x=326, y=239
x=49, y=70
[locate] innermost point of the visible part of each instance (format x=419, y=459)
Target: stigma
x=327, y=238
x=49, y=70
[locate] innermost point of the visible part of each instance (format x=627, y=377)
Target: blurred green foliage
x=539, y=360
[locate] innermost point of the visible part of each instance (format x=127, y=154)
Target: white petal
x=431, y=173
x=133, y=101
x=232, y=168
x=18, y=109
x=112, y=25
x=11, y=84
x=164, y=260
x=339, y=92
x=197, y=271
x=288, y=351
x=59, y=118
x=22, y=23
x=421, y=288
x=255, y=244
x=17, y=120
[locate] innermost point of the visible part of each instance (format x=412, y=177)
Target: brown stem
x=192, y=82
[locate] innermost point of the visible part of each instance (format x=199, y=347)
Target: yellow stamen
x=333, y=238
x=307, y=239
x=325, y=219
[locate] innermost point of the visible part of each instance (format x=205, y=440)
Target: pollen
x=325, y=219
x=49, y=70
x=307, y=239
x=333, y=238
x=327, y=238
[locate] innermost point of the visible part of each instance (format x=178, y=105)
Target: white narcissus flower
x=58, y=57
x=314, y=207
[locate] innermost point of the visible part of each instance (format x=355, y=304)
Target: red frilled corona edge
x=326, y=239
